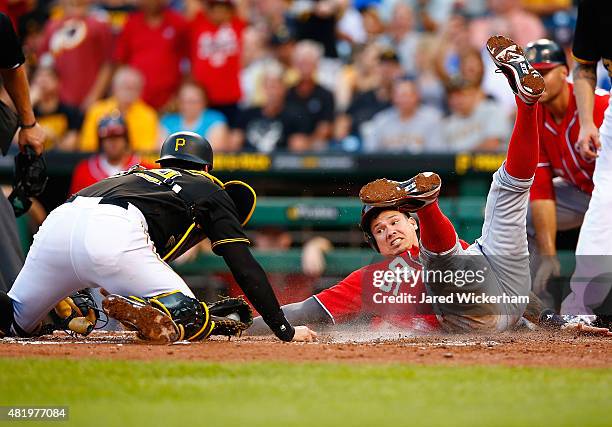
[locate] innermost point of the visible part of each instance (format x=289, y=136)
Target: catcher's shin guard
x=191, y=316
x=137, y=314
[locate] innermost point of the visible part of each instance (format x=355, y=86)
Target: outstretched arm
x=253, y=281
x=306, y=312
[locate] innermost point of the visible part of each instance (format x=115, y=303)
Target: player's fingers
x=596, y=141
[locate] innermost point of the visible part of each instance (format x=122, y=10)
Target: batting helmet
x=188, y=147
x=544, y=54
x=367, y=213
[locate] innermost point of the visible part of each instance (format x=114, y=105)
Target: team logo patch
x=180, y=142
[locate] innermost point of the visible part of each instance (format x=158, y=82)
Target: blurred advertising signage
x=303, y=212
x=254, y=162
x=478, y=162
x=326, y=163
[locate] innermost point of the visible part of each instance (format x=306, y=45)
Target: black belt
x=105, y=201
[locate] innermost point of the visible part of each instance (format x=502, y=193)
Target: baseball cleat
x=510, y=59
x=152, y=324
x=410, y=195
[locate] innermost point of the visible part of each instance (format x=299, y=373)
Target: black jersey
x=592, y=37
x=181, y=207
x=11, y=55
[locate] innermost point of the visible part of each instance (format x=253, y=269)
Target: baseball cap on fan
x=112, y=126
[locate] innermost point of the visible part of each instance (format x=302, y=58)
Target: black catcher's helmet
x=188, y=147
x=544, y=54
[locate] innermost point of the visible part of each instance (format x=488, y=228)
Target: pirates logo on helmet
x=187, y=146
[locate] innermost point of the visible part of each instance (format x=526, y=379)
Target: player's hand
x=588, y=142
x=313, y=261
x=304, y=334
x=313, y=256
x=34, y=137
x=549, y=267
x=583, y=329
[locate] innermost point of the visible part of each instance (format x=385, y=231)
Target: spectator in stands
x=140, y=118
x=316, y=20
x=115, y=155
x=270, y=15
x=366, y=105
x=360, y=76
x=255, y=55
x=61, y=122
x=350, y=28
x=401, y=35
x=282, y=43
x=546, y=8
x=193, y=116
x=454, y=54
x=431, y=88
x=475, y=123
x=81, y=46
x=372, y=22
x=509, y=18
x=275, y=125
x=215, y=52
x=308, y=95
x=407, y=126
x=152, y=40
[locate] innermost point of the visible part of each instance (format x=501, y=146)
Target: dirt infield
x=514, y=349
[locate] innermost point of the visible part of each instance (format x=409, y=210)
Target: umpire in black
x=30, y=134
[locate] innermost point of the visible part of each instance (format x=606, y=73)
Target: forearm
x=99, y=87
x=544, y=217
x=16, y=84
x=308, y=311
x=585, y=81
x=253, y=281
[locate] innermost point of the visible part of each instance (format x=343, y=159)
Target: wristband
x=22, y=126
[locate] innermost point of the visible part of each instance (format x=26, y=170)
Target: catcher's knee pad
x=190, y=315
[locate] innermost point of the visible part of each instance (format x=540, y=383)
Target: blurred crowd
x=368, y=76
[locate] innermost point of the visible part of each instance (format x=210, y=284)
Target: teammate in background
x=119, y=234
x=503, y=245
x=594, y=244
x=563, y=182
x=115, y=155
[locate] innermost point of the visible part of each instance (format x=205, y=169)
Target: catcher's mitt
x=232, y=316
x=30, y=180
x=77, y=313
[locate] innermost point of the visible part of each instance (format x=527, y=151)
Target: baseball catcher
x=120, y=233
